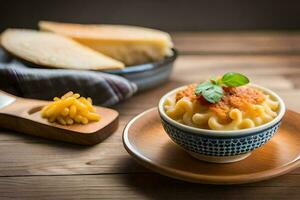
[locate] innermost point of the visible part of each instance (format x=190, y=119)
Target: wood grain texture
x=35, y=168
x=238, y=42
x=140, y=186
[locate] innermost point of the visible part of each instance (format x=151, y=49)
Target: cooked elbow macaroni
x=70, y=109
x=192, y=113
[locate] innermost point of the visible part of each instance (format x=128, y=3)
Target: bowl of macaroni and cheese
x=244, y=119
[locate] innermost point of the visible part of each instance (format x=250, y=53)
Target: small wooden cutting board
x=23, y=115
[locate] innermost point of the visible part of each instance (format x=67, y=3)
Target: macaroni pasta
x=192, y=112
x=70, y=109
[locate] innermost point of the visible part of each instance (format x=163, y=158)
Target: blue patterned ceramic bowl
x=220, y=146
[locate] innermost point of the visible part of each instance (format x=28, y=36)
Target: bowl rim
x=145, y=66
x=223, y=133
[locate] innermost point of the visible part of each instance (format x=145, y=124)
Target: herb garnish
x=212, y=90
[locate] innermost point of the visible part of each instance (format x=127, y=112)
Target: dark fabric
x=21, y=80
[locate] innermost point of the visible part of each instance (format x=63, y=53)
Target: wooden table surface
x=33, y=168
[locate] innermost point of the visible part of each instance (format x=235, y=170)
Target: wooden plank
x=295, y=78
x=107, y=171
x=275, y=72
x=26, y=155
x=252, y=65
x=23, y=155
x=34, y=168
x=237, y=42
x=38, y=157
x=34, y=156
x=140, y=186
x=291, y=99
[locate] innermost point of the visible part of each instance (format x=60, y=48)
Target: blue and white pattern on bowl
x=216, y=145
x=219, y=146
x=148, y=75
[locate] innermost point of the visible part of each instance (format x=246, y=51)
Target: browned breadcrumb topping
x=234, y=97
x=188, y=92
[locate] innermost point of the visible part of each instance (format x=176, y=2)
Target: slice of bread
x=128, y=44
x=53, y=50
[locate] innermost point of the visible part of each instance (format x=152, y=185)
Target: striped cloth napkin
x=18, y=79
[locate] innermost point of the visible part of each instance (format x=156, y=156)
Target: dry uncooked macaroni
x=70, y=109
x=192, y=113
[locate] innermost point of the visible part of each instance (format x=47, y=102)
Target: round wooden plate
x=145, y=139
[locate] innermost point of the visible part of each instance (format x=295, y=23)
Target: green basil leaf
x=234, y=79
x=211, y=92
x=202, y=87
x=214, y=94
